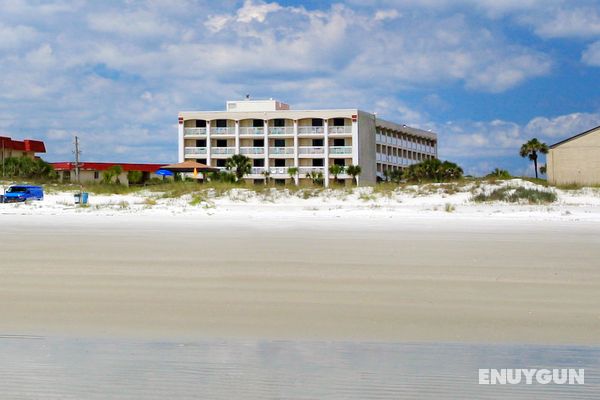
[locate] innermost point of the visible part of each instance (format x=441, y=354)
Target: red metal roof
x=103, y=166
x=35, y=146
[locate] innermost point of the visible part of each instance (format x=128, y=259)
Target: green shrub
x=29, y=168
x=434, y=170
x=499, y=174
x=135, y=177
x=517, y=195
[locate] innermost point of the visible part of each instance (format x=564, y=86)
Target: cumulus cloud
x=591, y=55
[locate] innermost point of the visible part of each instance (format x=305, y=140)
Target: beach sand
x=365, y=279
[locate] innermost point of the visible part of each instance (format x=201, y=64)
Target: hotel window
x=279, y=143
x=317, y=142
x=221, y=123
x=317, y=162
x=317, y=122
x=258, y=123
x=279, y=122
x=339, y=161
x=222, y=143
x=338, y=122
x=259, y=162
x=200, y=123
x=201, y=143
x=201, y=161
x=258, y=142
x=339, y=142
x=280, y=162
x=221, y=162
x=96, y=174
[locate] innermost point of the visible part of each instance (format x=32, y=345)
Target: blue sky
x=486, y=75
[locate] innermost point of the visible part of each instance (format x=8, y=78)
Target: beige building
x=20, y=148
x=575, y=160
x=276, y=138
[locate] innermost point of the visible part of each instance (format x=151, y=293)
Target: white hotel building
x=277, y=138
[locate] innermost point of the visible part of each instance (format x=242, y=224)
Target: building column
x=237, y=137
x=266, y=139
x=296, y=152
x=181, y=141
x=208, y=144
x=326, y=150
x=356, y=146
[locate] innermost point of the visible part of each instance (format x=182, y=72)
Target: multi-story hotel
x=277, y=138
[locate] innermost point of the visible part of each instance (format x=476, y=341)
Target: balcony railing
x=252, y=150
x=310, y=130
x=249, y=130
x=340, y=150
x=222, y=131
x=194, y=131
x=223, y=150
x=278, y=170
x=281, y=150
x=311, y=150
x=340, y=129
x=307, y=170
x=257, y=170
x=281, y=130
x=193, y=151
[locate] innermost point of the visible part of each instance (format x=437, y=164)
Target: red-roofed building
x=18, y=148
x=92, y=171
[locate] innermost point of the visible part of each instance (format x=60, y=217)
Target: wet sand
x=439, y=280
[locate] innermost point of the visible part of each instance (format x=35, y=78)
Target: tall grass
x=517, y=195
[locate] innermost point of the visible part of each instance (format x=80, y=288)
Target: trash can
x=81, y=198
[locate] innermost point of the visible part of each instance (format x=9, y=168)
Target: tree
x=434, y=170
x=316, y=177
x=240, y=164
x=25, y=167
x=267, y=174
x=396, y=175
x=531, y=149
x=354, y=171
x=135, y=177
x=112, y=173
x=336, y=170
x=543, y=169
x=293, y=172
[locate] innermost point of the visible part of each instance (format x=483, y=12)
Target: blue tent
x=164, y=172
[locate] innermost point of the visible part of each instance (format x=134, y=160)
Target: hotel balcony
x=281, y=151
x=302, y=171
x=279, y=171
x=340, y=151
x=251, y=131
x=311, y=151
x=192, y=132
x=311, y=130
x=340, y=130
x=257, y=171
x=281, y=130
x=195, y=151
x=220, y=152
x=250, y=151
x=224, y=131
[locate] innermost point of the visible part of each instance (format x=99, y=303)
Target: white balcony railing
x=252, y=150
x=281, y=130
x=257, y=170
x=194, y=151
x=302, y=171
x=340, y=129
x=222, y=131
x=223, y=150
x=194, y=131
x=310, y=130
x=279, y=170
x=249, y=130
x=311, y=150
x=340, y=150
x=281, y=150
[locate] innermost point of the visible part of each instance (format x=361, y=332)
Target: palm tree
x=531, y=150
x=336, y=170
x=267, y=174
x=354, y=171
x=293, y=172
x=396, y=175
x=543, y=169
x=240, y=164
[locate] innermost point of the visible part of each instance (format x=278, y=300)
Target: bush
x=135, y=177
x=499, y=174
x=517, y=195
x=434, y=170
x=29, y=168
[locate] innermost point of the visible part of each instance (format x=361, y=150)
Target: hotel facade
x=276, y=138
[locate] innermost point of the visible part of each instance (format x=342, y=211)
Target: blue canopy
x=164, y=172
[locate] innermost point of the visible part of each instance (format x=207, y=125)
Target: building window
x=279, y=122
x=317, y=122
x=201, y=143
x=339, y=161
x=259, y=162
x=258, y=143
x=339, y=142
x=318, y=162
x=317, y=142
x=280, y=162
x=280, y=181
x=200, y=123
x=338, y=122
x=67, y=175
x=279, y=142
x=221, y=123
x=221, y=162
x=222, y=143
x=96, y=174
x=258, y=123
x=201, y=161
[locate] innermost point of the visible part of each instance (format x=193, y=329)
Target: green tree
x=316, y=177
x=26, y=167
x=532, y=149
x=499, y=174
x=354, y=171
x=135, y=177
x=293, y=172
x=111, y=174
x=396, y=175
x=543, y=169
x=434, y=170
x=336, y=170
x=240, y=165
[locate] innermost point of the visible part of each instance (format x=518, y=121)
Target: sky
x=485, y=75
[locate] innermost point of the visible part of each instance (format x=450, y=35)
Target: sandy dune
x=345, y=279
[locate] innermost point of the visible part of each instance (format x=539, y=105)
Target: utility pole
x=2, y=158
x=77, y=154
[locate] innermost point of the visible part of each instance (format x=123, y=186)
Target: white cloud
x=256, y=10
x=14, y=36
x=382, y=15
x=591, y=56
x=567, y=21
x=562, y=126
